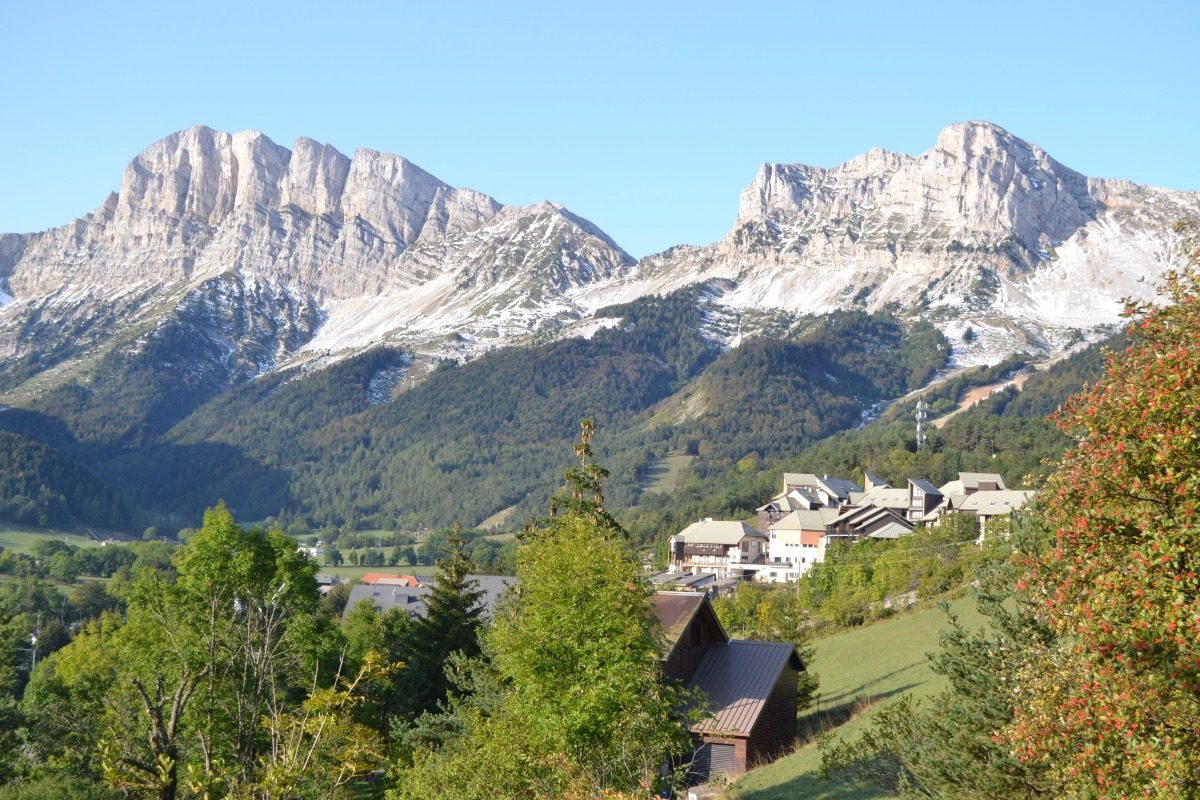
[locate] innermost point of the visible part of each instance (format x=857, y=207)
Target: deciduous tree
x=577, y=649
x=1113, y=705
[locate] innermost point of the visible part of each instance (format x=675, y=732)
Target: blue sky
x=647, y=118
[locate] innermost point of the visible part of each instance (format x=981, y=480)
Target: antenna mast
x=921, y=415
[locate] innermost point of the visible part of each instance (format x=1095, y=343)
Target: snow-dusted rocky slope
x=282, y=256
x=984, y=230
x=338, y=252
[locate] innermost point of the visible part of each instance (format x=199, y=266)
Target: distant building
x=412, y=598
x=385, y=579
x=796, y=543
x=923, y=497
x=727, y=549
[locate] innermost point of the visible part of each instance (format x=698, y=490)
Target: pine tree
x=450, y=625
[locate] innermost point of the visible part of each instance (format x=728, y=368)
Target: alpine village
x=322, y=478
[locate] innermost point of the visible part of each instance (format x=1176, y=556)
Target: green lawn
x=863, y=667
x=663, y=474
x=21, y=538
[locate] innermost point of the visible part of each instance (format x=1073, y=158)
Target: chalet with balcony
x=728, y=549
x=860, y=522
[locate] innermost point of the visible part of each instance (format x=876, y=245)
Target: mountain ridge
x=148, y=339
x=984, y=226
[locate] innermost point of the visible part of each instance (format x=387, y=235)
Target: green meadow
x=861, y=670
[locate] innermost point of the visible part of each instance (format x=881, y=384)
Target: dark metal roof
x=677, y=610
x=925, y=486
x=412, y=598
x=839, y=486
x=738, y=679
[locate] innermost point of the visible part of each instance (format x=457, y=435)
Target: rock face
x=984, y=229
x=316, y=253
x=307, y=229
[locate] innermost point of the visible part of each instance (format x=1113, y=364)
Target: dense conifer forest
x=470, y=440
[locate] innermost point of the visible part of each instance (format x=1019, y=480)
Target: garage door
x=712, y=758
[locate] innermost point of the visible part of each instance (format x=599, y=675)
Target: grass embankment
x=861, y=670
x=22, y=538
x=663, y=474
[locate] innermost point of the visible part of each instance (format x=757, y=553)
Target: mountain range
x=225, y=259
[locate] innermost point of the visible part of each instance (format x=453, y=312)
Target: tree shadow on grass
x=824, y=719
x=863, y=688
x=786, y=781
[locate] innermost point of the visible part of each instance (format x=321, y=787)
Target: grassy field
x=21, y=538
x=499, y=519
x=861, y=670
x=663, y=474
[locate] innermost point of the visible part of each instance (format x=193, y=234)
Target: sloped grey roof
x=893, y=531
x=799, y=479
x=806, y=495
x=675, y=612
x=681, y=579
x=967, y=481
x=924, y=486
x=883, y=496
x=803, y=519
x=716, y=531
x=839, y=486
x=412, y=598
x=971, y=480
x=861, y=515
x=998, y=502
x=875, y=482
x=409, y=598
x=790, y=501
x=737, y=679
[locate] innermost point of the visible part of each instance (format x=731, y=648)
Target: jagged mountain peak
x=315, y=230
x=978, y=177
x=983, y=226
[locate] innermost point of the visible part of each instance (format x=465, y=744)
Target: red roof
x=390, y=580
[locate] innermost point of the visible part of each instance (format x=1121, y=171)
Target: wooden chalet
x=751, y=687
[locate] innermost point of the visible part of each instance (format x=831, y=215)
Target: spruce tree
x=450, y=625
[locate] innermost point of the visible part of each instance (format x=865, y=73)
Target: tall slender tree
x=576, y=650
x=451, y=625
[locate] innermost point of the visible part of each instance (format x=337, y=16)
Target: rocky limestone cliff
x=332, y=233
x=984, y=229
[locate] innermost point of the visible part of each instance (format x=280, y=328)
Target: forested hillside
x=1008, y=433
x=39, y=486
x=340, y=447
